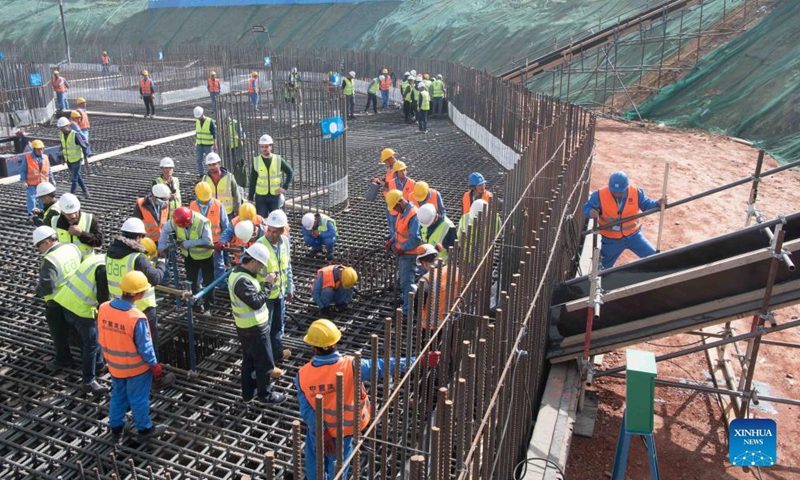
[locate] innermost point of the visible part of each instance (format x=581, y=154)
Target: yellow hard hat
x=247, y=211
x=384, y=71
x=37, y=144
x=75, y=114
x=144, y=72
x=399, y=166
x=426, y=76
x=81, y=100
x=134, y=282
x=349, y=277
x=386, y=154
x=55, y=72
x=392, y=197
x=255, y=74
x=149, y=247
x=213, y=72
x=420, y=191
x=203, y=191
x=323, y=334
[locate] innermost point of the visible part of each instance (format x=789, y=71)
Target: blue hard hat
x=618, y=182
x=476, y=179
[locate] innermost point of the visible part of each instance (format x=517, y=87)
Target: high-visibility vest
x=213, y=214
x=222, y=191
x=83, y=121
x=321, y=380
x=146, y=85
x=59, y=84
x=349, y=87
x=116, y=268
x=116, y=336
x=52, y=212
x=414, y=95
x=402, y=233
x=34, y=174
x=66, y=258
x=386, y=84
x=329, y=280
x=104, y=59
x=243, y=315
x=438, y=234
x=433, y=199
x=269, y=179
x=252, y=85
x=391, y=181
x=70, y=148
x=233, y=130
x=428, y=85
x=176, y=184
x=426, y=101
x=408, y=91
x=438, y=88
x=152, y=226
x=213, y=85
x=373, y=86
x=79, y=295
x=84, y=223
x=279, y=265
x=429, y=301
x=466, y=200
x=408, y=189
x=609, y=212
x=203, y=132
x=325, y=222
x=195, y=231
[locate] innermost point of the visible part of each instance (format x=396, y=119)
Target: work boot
x=164, y=381
x=273, y=398
x=153, y=432
x=94, y=388
x=117, y=435
x=54, y=367
x=276, y=373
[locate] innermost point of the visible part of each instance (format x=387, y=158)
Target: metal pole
x=663, y=206
x=320, y=443
x=64, y=27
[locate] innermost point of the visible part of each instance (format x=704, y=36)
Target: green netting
x=749, y=88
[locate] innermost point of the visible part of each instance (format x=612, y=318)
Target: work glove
x=157, y=371
x=432, y=359
x=388, y=245
x=398, y=250
x=219, y=246
x=329, y=444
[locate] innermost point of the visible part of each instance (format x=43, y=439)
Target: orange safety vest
x=213, y=215
x=433, y=199
x=386, y=84
x=115, y=333
x=609, y=212
x=35, y=176
x=402, y=234
x=213, y=85
x=431, y=279
x=59, y=84
x=328, y=279
x=83, y=121
x=73, y=122
x=252, y=83
x=146, y=86
x=104, y=59
x=466, y=200
x=152, y=227
x=321, y=380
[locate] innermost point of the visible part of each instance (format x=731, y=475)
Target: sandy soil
x=691, y=439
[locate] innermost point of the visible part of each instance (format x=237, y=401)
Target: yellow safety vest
x=66, y=258
x=438, y=234
x=373, y=87
x=233, y=129
x=243, y=315
x=195, y=231
x=84, y=223
x=70, y=149
x=116, y=268
x=438, y=88
x=203, y=132
x=222, y=191
x=173, y=202
x=269, y=179
x=79, y=295
x=349, y=87
x=426, y=100
x=279, y=265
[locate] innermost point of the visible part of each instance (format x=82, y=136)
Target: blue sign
x=752, y=442
x=161, y=55
x=267, y=61
x=332, y=127
x=35, y=79
x=336, y=79
x=1, y=55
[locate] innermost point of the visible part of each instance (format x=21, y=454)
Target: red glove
x=388, y=245
x=157, y=371
x=329, y=444
x=398, y=250
x=432, y=359
x=219, y=246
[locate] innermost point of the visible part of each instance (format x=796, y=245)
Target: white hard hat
x=198, y=112
x=294, y=69
x=166, y=162
x=477, y=207
x=277, y=219
x=308, y=221
x=62, y=122
x=421, y=85
x=426, y=214
x=133, y=225
x=44, y=188
x=351, y=73
x=382, y=78
x=69, y=203
x=406, y=74
x=42, y=233
x=413, y=73
x=265, y=140
x=244, y=230
x=161, y=191
x=258, y=252
x=212, y=158
x=428, y=250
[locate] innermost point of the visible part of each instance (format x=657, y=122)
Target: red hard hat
x=182, y=217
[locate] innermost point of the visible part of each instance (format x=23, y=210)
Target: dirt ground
x=691, y=439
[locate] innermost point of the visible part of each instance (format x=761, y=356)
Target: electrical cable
x=524, y=464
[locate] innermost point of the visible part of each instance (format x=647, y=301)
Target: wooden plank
x=544, y=430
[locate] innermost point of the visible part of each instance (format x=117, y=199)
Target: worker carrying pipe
x=615, y=202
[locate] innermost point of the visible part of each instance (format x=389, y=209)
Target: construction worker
x=402, y=181
x=60, y=86
x=34, y=171
x=436, y=229
x=477, y=191
x=213, y=89
x=205, y=138
x=147, y=91
x=617, y=201
x=236, y=136
x=409, y=108
x=439, y=92
x=246, y=234
x=59, y=262
x=153, y=210
x=247, y=212
x=372, y=94
x=278, y=246
x=319, y=230
x=104, y=63
x=167, y=167
x=251, y=315
x=124, y=337
x=466, y=220
x=84, y=291
x=429, y=260
x=318, y=377
x=74, y=125
x=270, y=177
x=333, y=288
x=46, y=193
x=386, y=85
x=405, y=242
x=252, y=90
x=389, y=182
x=349, y=92
x=193, y=238
x=127, y=254
x=74, y=226
x=212, y=209
x=222, y=184
x=74, y=150
x=424, y=195
x=83, y=121
x=426, y=79
x=423, y=107
x=403, y=90
x=292, y=87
